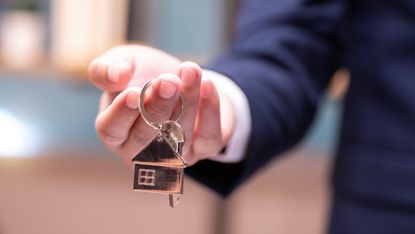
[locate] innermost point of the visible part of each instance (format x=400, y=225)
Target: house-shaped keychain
x=159, y=167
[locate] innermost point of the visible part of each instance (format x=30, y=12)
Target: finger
x=106, y=100
x=159, y=103
x=110, y=73
x=114, y=123
x=190, y=74
x=207, y=139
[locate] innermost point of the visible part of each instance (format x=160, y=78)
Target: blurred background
x=56, y=177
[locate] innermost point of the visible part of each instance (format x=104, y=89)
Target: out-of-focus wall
x=83, y=29
x=196, y=30
x=59, y=35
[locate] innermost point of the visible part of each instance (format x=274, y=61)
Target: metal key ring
x=144, y=113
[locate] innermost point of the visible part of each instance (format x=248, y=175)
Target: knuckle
x=206, y=153
x=109, y=139
x=207, y=145
x=140, y=136
x=192, y=159
x=158, y=112
x=208, y=136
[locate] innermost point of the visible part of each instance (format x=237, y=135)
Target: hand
x=207, y=118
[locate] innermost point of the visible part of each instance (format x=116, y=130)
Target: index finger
x=110, y=73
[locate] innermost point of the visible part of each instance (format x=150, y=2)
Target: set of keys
x=159, y=166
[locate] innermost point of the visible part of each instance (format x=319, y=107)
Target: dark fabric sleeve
x=283, y=55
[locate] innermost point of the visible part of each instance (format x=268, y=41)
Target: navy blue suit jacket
x=283, y=55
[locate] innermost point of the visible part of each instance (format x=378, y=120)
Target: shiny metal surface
x=159, y=166
x=174, y=200
x=159, y=152
x=174, y=134
x=166, y=180
x=143, y=110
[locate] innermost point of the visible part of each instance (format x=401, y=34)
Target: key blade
x=173, y=200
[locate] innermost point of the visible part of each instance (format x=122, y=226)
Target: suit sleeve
x=283, y=55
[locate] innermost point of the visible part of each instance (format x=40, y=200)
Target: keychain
x=159, y=166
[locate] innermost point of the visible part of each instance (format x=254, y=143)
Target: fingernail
x=113, y=74
x=132, y=100
x=100, y=71
x=167, y=90
x=115, y=70
x=188, y=76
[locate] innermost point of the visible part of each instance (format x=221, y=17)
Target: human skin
x=207, y=118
